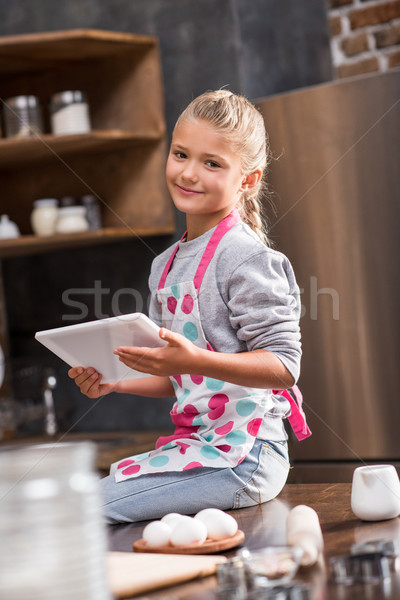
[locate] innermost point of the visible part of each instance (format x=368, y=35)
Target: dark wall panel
x=258, y=47
x=284, y=45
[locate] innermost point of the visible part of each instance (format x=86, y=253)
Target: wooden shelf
x=110, y=446
x=121, y=161
x=31, y=244
x=30, y=52
x=15, y=153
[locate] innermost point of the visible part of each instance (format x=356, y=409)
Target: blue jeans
x=259, y=478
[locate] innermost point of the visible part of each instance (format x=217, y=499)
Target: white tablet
x=92, y=344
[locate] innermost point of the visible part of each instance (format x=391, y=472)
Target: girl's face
x=204, y=175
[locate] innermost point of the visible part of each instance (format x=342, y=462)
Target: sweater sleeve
x=154, y=305
x=264, y=304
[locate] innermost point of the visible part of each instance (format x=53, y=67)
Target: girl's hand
x=89, y=382
x=178, y=356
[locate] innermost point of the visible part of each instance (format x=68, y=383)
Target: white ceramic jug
x=375, y=493
x=8, y=229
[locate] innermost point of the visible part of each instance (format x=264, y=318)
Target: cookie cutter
x=289, y=591
x=389, y=548
x=232, y=583
x=348, y=569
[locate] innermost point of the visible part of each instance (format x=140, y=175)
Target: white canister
x=69, y=113
x=44, y=216
x=72, y=219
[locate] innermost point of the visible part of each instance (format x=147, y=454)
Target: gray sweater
x=249, y=299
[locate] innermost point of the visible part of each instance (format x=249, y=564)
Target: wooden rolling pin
x=303, y=529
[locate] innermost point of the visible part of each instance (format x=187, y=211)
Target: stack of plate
x=53, y=538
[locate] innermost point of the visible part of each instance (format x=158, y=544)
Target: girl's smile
x=204, y=174
x=187, y=191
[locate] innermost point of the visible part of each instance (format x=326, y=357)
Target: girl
x=229, y=310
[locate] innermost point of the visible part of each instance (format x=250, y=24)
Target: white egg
x=219, y=524
x=188, y=531
x=171, y=519
x=157, y=534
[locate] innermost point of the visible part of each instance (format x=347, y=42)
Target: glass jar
x=44, y=216
x=71, y=219
x=69, y=113
x=22, y=116
x=51, y=530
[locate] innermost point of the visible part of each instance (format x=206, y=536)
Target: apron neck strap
x=168, y=266
x=222, y=228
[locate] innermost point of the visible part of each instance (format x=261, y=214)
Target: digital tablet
x=92, y=344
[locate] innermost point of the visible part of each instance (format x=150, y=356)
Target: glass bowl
x=272, y=565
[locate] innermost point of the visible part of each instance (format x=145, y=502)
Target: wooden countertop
x=110, y=446
x=265, y=525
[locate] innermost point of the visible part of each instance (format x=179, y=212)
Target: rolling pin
x=303, y=529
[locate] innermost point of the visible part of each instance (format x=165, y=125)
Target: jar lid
x=71, y=210
x=89, y=199
x=68, y=97
x=46, y=202
x=22, y=102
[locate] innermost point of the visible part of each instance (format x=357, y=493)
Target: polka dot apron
x=216, y=422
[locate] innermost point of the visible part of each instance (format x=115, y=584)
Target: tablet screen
x=92, y=344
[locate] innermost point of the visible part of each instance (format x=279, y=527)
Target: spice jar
x=71, y=219
x=22, y=116
x=44, y=216
x=69, y=113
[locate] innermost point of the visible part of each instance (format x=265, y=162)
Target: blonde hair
x=243, y=125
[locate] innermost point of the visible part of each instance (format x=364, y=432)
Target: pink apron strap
x=223, y=227
x=169, y=264
x=297, y=417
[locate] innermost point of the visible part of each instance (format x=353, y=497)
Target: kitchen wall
x=258, y=48
x=341, y=214
x=365, y=36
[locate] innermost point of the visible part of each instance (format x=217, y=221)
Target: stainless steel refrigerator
x=335, y=176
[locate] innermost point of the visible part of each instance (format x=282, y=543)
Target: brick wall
x=365, y=35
